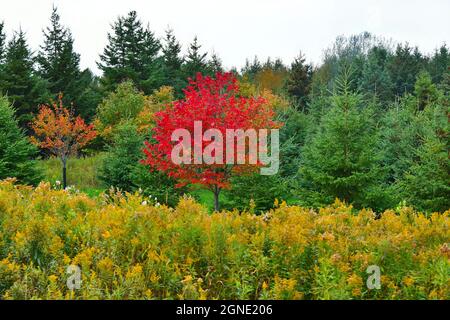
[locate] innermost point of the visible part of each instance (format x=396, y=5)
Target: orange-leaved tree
x=60, y=132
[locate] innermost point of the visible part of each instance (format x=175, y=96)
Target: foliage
x=58, y=131
x=121, y=167
x=131, y=54
x=426, y=183
x=298, y=84
x=195, y=61
x=255, y=192
x=124, y=104
x=16, y=151
x=58, y=62
x=213, y=101
x=18, y=81
x=340, y=160
x=424, y=90
x=173, y=63
x=129, y=247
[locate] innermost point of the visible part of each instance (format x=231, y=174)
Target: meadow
x=128, y=246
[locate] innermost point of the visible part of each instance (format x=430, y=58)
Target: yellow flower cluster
x=126, y=250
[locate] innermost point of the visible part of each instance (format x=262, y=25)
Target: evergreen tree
x=2, y=42
x=16, y=151
x=131, y=53
x=426, y=185
x=18, y=81
x=400, y=131
x=251, y=69
x=340, y=160
x=404, y=66
x=424, y=90
x=173, y=63
x=439, y=64
x=58, y=63
x=298, y=83
x=375, y=77
x=215, y=64
x=195, y=60
x=90, y=97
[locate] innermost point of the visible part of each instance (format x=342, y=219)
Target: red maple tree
x=217, y=104
x=60, y=132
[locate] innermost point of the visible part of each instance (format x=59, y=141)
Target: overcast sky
x=239, y=29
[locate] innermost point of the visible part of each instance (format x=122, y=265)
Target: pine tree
x=16, y=151
x=18, y=80
x=298, y=83
x=195, y=60
x=132, y=53
x=58, y=63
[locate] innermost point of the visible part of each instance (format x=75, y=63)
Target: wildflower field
x=130, y=247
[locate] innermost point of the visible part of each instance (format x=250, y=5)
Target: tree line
x=369, y=125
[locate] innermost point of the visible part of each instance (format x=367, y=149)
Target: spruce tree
x=131, y=54
x=16, y=151
x=340, y=160
x=426, y=185
x=173, y=63
x=215, y=64
x=424, y=90
x=18, y=80
x=400, y=132
x=376, y=80
x=2, y=42
x=439, y=63
x=195, y=60
x=58, y=63
x=404, y=66
x=298, y=83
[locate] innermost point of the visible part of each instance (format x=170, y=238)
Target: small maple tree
x=60, y=132
x=217, y=104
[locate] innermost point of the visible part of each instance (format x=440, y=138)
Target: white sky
x=239, y=29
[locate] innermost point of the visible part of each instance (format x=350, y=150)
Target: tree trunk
x=216, y=198
x=64, y=175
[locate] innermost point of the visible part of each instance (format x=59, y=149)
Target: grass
x=81, y=173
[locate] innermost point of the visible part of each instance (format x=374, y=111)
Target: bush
x=129, y=247
x=122, y=169
x=256, y=192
